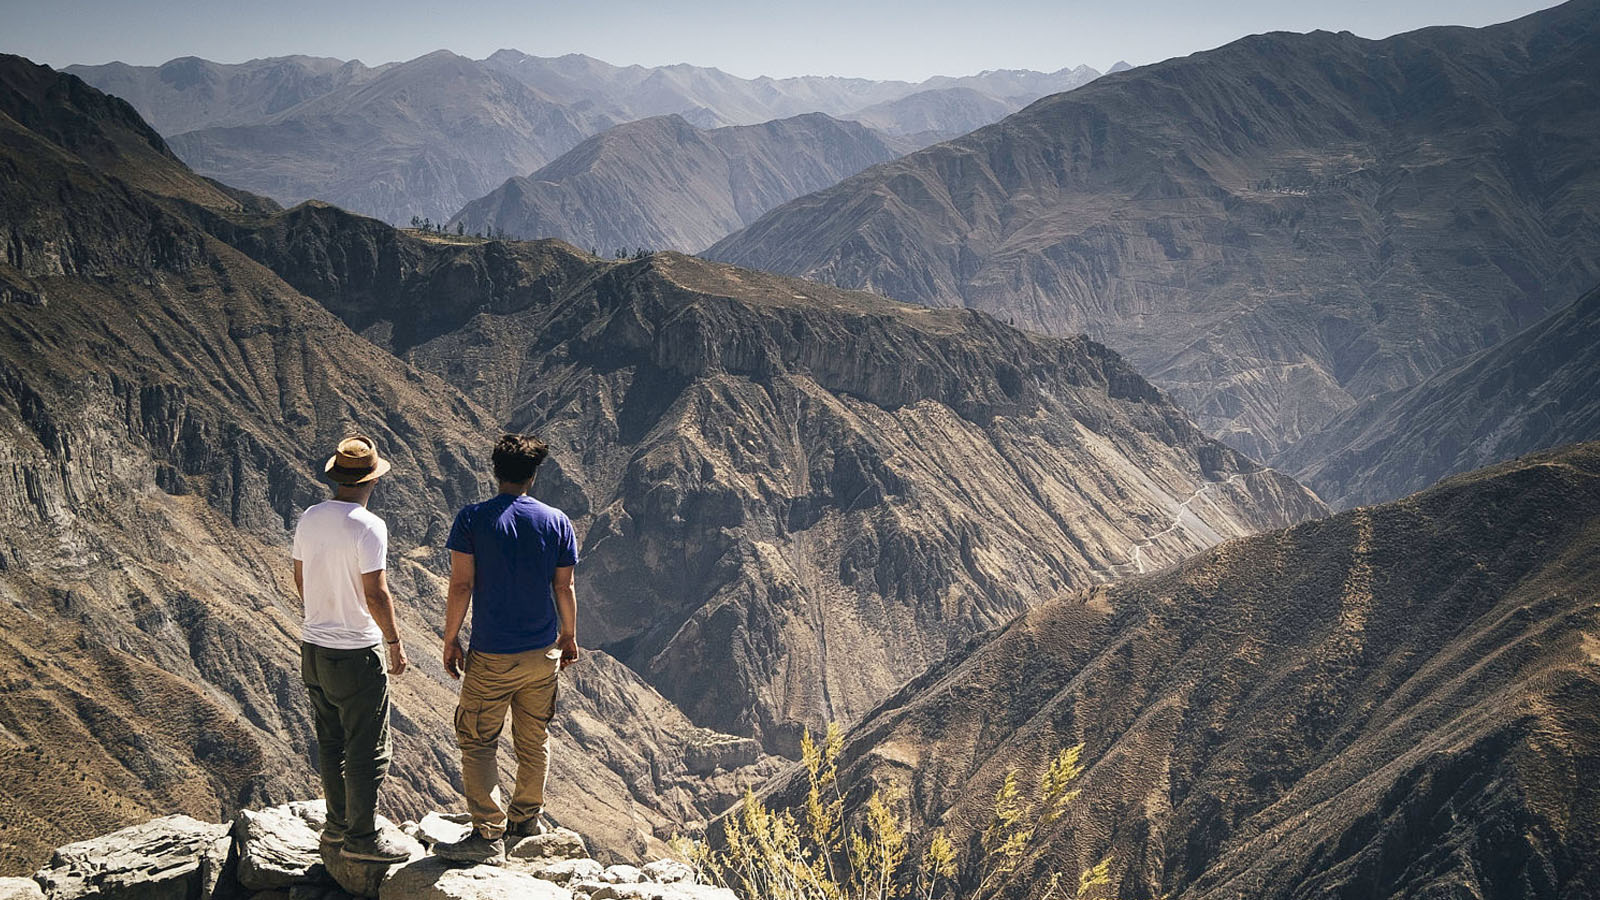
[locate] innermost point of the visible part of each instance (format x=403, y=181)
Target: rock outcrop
x=1400, y=701
x=1271, y=231
x=274, y=853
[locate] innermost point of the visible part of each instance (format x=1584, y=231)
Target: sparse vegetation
x=813, y=854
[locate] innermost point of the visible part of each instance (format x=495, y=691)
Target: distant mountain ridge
x=663, y=184
x=415, y=138
x=425, y=136
x=1273, y=230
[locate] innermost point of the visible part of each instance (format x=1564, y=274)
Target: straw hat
x=356, y=461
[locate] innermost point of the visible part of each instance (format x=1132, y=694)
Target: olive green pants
x=524, y=684
x=350, y=703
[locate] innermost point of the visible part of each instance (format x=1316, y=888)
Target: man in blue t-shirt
x=511, y=561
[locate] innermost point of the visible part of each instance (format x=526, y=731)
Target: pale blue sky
x=889, y=39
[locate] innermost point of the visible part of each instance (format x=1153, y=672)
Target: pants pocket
x=474, y=725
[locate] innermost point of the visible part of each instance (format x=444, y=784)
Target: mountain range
x=426, y=136
x=662, y=183
x=1273, y=231
x=1398, y=701
x=773, y=478
x=790, y=497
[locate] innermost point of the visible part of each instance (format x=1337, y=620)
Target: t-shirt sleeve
x=568, y=552
x=373, y=548
x=299, y=542
x=460, y=539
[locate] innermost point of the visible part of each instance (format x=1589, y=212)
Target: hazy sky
x=870, y=38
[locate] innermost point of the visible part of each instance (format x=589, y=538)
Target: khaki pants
x=525, y=684
x=349, y=692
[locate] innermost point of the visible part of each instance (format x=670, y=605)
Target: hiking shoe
x=474, y=848
x=381, y=848
x=332, y=838
x=526, y=828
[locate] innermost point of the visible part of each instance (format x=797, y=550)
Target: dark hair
x=517, y=455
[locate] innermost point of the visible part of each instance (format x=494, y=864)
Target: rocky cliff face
x=164, y=401
x=661, y=183
x=1272, y=231
x=1535, y=390
x=1400, y=699
x=791, y=497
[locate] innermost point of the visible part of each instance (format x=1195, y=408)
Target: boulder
x=563, y=843
x=174, y=856
x=431, y=878
x=564, y=871
x=669, y=871
x=365, y=879
x=622, y=875
x=279, y=847
x=20, y=889
x=649, y=891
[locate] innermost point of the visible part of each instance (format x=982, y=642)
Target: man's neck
x=359, y=497
x=515, y=489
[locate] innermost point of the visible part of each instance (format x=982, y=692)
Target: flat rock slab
x=649, y=891
x=434, y=879
x=174, y=856
x=20, y=889
x=622, y=875
x=279, y=847
x=563, y=843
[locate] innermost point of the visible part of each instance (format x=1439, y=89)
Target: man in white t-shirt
x=339, y=553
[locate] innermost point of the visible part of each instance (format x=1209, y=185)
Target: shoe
x=332, y=838
x=526, y=828
x=474, y=848
x=381, y=848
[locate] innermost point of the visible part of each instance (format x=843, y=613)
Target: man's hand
x=397, y=658
x=569, y=649
x=455, y=658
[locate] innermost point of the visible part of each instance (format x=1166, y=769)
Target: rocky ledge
x=274, y=854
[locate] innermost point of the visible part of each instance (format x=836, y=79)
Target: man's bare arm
x=566, y=607
x=381, y=604
x=300, y=580
x=463, y=573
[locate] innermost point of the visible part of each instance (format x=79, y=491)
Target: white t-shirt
x=336, y=543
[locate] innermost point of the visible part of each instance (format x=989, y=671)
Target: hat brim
x=377, y=471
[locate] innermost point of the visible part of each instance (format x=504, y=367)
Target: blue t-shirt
x=517, y=543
